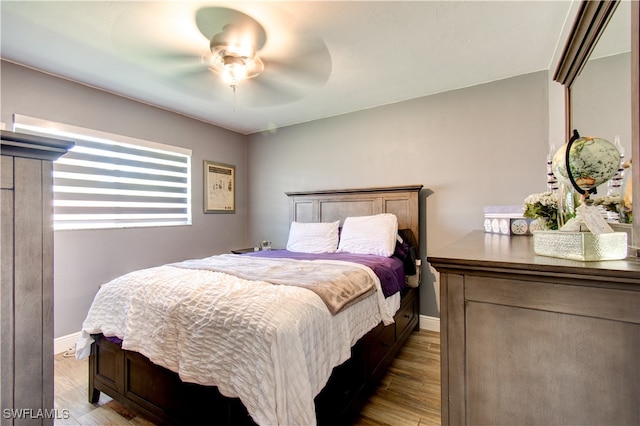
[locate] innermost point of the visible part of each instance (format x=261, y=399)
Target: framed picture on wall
x=219, y=187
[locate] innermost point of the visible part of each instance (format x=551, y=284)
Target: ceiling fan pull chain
x=233, y=86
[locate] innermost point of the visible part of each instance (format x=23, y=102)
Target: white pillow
x=369, y=235
x=313, y=237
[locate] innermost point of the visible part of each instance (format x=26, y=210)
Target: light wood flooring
x=409, y=394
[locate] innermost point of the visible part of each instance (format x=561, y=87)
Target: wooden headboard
x=332, y=205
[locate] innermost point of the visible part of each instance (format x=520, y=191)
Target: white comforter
x=273, y=346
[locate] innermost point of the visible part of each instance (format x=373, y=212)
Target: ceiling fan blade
x=142, y=45
x=173, y=56
x=307, y=62
x=212, y=20
x=202, y=83
x=263, y=92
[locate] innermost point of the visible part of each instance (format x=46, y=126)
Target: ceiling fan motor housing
x=234, y=54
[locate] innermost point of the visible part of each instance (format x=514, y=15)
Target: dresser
x=536, y=340
x=26, y=296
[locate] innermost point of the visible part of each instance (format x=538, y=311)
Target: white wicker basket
x=580, y=245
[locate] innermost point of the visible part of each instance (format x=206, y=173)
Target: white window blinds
x=113, y=181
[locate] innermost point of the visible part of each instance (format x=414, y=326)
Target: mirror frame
x=591, y=20
x=635, y=119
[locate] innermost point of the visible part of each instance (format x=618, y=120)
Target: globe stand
x=582, y=245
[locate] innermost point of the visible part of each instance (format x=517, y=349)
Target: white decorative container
x=507, y=220
x=580, y=245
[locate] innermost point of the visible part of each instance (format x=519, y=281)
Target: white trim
x=63, y=129
x=430, y=323
x=64, y=343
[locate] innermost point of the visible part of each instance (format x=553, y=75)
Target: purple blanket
x=389, y=270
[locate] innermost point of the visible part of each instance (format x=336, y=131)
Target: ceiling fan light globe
x=234, y=70
x=233, y=55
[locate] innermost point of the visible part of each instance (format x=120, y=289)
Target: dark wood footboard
x=163, y=398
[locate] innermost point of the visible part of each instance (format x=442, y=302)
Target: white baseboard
x=429, y=323
x=64, y=343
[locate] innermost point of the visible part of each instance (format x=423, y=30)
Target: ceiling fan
x=240, y=53
x=234, y=50
x=233, y=55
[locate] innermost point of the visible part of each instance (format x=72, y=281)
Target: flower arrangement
x=612, y=202
x=544, y=207
x=615, y=203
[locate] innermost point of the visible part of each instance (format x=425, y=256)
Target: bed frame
x=159, y=394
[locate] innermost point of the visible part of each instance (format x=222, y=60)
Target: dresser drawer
x=612, y=304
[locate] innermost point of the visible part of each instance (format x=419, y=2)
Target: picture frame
x=219, y=187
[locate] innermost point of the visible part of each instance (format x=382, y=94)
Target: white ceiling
x=367, y=53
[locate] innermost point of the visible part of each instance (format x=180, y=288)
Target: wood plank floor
x=409, y=394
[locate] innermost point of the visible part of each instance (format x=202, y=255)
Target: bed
x=352, y=342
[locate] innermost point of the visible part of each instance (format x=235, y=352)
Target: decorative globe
x=592, y=162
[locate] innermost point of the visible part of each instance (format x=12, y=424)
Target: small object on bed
x=265, y=245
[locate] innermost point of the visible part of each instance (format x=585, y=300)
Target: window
x=113, y=181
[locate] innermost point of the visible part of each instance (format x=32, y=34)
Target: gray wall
x=478, y=146
x=483, y=145
x=86, y=259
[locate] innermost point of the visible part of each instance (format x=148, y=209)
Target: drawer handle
x=384, y=344
x=407, y=316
